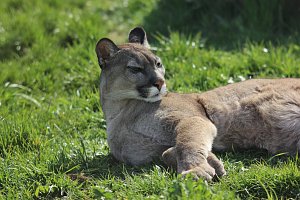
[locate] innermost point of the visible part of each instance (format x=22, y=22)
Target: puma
x=145, y=121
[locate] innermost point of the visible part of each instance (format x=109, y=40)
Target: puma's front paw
x=203, y=170
x=212, y=167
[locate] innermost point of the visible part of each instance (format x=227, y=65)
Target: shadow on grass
x=247, y=157
x=255, y=156
x=226, y=24
x=106, y=167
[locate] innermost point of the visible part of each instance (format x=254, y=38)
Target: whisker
x=122, y=94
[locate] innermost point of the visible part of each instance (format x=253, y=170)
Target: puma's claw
x=214, y=162
x=204, y=171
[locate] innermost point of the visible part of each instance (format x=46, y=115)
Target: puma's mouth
x=148, y=94
x=152, y=94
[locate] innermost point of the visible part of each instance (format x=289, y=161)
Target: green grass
x=52, y=132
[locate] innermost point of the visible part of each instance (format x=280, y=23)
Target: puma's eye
x=135, y=69
x=158, y=64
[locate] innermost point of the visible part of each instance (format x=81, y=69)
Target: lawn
x=52, y=130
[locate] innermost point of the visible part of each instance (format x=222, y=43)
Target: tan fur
x=183, y=128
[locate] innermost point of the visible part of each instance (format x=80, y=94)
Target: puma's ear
x=138, y=35
x=105, y=49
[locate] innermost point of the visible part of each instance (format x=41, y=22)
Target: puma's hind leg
x=169, y=158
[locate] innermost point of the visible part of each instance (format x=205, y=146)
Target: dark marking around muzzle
x=143, y=91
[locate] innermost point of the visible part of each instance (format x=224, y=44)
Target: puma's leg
x=193, y=143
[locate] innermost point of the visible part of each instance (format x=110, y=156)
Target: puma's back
x=263, y=113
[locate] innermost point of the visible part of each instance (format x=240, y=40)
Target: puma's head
x=130, y=71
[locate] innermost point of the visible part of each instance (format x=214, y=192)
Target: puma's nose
x=159, y=83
